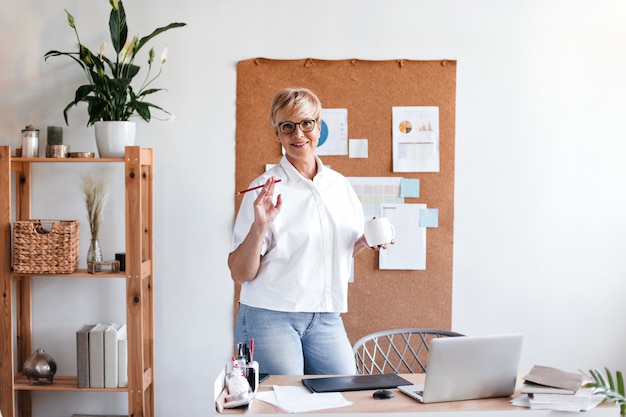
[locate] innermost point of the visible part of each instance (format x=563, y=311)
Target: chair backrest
x=398, y=351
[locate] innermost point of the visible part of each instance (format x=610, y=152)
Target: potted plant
x=110, y=93
x=612, y=388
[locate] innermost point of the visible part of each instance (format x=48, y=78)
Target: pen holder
x=237, y=398
x=252, y=373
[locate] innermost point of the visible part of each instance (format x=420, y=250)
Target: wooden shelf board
x=79, y=273
x=62, y=160
x=59, y=383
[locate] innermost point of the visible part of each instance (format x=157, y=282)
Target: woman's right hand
x=245, y=261
x=265, y=211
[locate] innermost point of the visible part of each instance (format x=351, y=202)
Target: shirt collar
x=293, y=174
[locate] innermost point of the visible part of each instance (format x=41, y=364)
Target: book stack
x=102, y=356
x=553, y=389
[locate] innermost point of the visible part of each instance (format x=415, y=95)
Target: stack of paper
x=582, y=400
x=547, y=388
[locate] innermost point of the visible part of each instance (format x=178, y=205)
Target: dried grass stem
x=96, y=188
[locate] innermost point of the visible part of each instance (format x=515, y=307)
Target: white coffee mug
x=379, y=231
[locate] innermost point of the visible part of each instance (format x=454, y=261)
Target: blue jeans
x=296, y=343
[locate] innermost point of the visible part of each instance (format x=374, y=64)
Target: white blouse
x=307, y=253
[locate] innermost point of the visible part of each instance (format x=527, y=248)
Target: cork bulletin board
x=378, y=299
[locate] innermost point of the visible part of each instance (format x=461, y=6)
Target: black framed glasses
x=306, y=125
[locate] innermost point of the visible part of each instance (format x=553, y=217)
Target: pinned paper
x=333, y=138
x=409, y=250
x=357, y=148
x=410, y=187
x=429, y=217
x=415, y=139
x=374, y=191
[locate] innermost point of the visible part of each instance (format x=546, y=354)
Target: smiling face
x=295, y=114
x=299, y=145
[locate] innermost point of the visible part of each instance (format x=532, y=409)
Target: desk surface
x=365, y=405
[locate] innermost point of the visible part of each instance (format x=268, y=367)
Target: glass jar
x=30, y=142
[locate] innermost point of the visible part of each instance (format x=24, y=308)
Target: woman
x=292, y=250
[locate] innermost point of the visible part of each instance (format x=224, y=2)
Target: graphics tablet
x=354, y=382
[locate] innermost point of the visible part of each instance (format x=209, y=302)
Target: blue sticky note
x=410, y=187
x=429, y=217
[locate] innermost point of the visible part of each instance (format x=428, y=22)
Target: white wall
x=540, y=172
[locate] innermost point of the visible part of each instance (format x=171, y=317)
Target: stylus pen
x=254, y=188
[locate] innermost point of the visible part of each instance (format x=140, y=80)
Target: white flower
x=128, y=48
x=164, y=56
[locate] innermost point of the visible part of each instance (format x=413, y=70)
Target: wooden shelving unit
x=15, y=289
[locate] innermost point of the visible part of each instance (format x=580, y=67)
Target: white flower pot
x=113, y=137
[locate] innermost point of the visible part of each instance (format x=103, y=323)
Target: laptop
x=469, y=368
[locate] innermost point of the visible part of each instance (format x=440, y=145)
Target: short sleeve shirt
x=306, y=258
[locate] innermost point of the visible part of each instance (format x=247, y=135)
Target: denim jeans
x=288, y=343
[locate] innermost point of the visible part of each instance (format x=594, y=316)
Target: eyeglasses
x=306, y=125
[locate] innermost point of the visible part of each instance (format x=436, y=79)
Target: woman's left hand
x=361, y=244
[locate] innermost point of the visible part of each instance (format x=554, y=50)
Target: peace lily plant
x=109, y=93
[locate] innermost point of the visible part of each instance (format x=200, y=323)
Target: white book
x=96, y=356
x=111, y=337
x=122, y=370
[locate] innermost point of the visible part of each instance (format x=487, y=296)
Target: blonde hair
x=294, y=100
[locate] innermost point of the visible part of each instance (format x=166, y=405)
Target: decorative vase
x=40, y=368
x=113, y=137
x=94, y=254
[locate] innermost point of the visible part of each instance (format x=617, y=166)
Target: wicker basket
x=45, y=250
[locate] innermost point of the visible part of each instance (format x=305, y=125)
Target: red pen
x=254, y=188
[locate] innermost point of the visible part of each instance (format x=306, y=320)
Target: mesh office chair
x=399, y=351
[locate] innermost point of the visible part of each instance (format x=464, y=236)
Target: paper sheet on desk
x=300, y=400
x=574, y=406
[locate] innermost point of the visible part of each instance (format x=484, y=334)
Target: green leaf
x=609, y=378
x=67, y=109
x=126, y=70
x=118, y=27
x=600, y=378
x=73, y=55
x=157, y=31
x=143, y=110
x=149, y=91
x=120, y=85
x=82, y=92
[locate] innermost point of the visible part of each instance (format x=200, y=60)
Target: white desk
x=364, y=405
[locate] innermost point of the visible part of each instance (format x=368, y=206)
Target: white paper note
x=409, y=250
x=415, y=138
